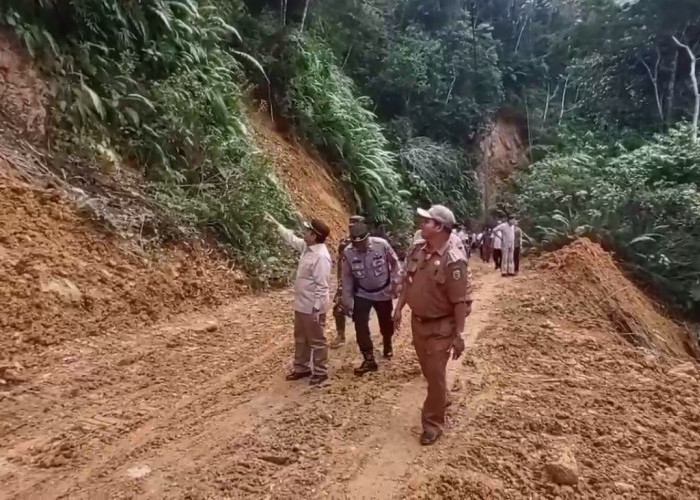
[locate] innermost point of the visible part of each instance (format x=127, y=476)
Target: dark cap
x=319, y=228
x=354, y=219
x=359, y=232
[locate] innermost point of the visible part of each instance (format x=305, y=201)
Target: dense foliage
x=322, y=100
x=644, y=204
x=160, y=82
x=394, y=93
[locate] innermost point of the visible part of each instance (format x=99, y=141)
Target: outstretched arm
x=287, y=235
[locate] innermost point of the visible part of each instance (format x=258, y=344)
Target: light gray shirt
x=373, y=274
x=312, y=283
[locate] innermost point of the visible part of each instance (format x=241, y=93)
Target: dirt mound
x=314, y=192
x=556, y=405
x=22, y=92
x=63, y=280
x=589, y=281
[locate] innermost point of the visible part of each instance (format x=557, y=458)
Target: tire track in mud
x=238, y=431
x=385, y=473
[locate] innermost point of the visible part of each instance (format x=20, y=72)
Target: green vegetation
x=322, y=101
x=394, y=93
x=161, y=82
x=643, y=204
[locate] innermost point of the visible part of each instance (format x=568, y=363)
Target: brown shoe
x=429, y=437
x=297, y=375
x=338, y=342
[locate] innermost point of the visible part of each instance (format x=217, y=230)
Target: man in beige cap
x=437, y=289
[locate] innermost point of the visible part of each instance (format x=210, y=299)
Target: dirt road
x=198, y=408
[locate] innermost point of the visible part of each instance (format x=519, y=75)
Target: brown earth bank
x=130, y=376
x=307, y=179
x=62, y=281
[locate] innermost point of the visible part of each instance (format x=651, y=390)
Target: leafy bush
x=157, y=80
x=440, y=173
x=323, y=103
x=643, y=204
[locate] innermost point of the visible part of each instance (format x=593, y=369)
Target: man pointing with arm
x=311, y=300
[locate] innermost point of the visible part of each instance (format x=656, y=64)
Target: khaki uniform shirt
x=372, y=275
x=518, y=237
x=454, y=239
x=312, y=283
x=435, y=282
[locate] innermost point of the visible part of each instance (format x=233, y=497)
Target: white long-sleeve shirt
x=312, y=283
x=507, y=236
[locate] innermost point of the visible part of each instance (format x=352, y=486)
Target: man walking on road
x=339, y=312
x=497, y=245
x=311, y=300
x=438, y=291
x=370, y=276
x=507, y=232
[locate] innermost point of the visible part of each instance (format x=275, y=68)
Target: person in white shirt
x=507, y=232
x=497, y=244
x=311, y=300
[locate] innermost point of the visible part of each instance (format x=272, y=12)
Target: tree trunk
x=551, y=96
x=696, y=90
x=303, y=17
x=654, y=77
x=671, y=92
x=563, y=100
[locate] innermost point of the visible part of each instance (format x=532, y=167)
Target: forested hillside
x=397, y=96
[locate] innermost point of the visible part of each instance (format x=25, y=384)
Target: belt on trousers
x=430, y=320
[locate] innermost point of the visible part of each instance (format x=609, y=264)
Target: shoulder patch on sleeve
x=456, y=254
x=456, y=274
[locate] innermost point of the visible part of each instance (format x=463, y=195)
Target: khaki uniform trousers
x=310, y=347
x=433, y=341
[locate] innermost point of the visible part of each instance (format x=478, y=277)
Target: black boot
x=388, y=350
x=368, y=365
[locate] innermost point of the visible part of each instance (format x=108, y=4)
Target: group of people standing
x=502, y=243
x=433, y=281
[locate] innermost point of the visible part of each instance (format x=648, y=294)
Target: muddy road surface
x=197, y=407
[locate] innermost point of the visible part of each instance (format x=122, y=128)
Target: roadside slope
x=307, y=179
x=558, y=386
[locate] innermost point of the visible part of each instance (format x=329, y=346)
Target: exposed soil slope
x=308, y=181
x=64, y=281
x=22, y=92
x=195, y=405
x=502, y=150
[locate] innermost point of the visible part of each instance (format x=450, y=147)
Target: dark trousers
x=516, y=259
x=360, y=315
x=497, y=257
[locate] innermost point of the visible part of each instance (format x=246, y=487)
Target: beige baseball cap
x=439, y=213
